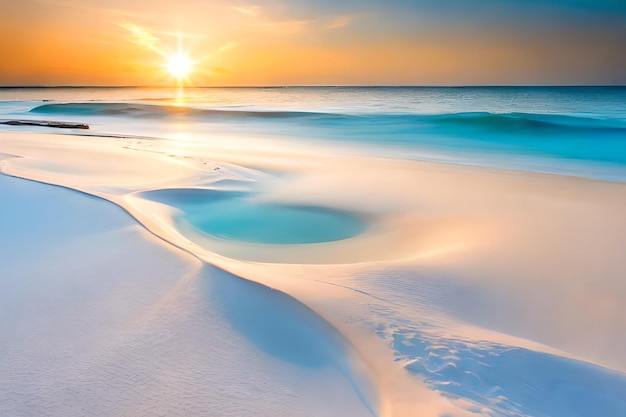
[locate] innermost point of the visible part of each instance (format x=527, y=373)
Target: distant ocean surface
x=578, y=131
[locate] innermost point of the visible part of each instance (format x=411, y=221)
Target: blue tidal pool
x=236, y=216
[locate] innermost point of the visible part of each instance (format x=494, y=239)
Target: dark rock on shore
x=45, y=123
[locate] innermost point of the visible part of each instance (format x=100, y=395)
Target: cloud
x=338, y=22
x=143, y=37
x=220, y=50
x=287, y=27
x=249, y=11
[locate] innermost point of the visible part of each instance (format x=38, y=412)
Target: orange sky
x=273, y=42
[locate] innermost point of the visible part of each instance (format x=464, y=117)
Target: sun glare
x=179, y=65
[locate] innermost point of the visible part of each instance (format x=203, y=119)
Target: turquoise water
x=238, y=217
x=571, y=130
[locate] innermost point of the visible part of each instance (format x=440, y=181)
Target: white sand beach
x=120, y=305
x=101, y=318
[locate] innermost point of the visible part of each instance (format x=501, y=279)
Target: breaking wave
x=481, y=120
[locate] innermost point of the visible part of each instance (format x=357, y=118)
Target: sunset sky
x=314, y=42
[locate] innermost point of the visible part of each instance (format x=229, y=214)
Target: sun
x=179, y=65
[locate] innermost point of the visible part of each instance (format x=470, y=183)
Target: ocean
x=579, y=131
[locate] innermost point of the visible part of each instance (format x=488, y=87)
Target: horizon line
x=331, y=86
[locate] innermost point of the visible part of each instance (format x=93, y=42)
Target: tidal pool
x=239, y=217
